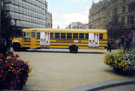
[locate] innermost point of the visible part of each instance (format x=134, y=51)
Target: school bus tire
x=73, y=49
x=16, y=47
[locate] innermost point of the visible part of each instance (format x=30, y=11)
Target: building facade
x=101, y=13
x=27, y=13
x=77, y=25
x=49, y=20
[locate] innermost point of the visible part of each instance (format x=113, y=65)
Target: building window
x=123, y=9
x=131, y=7
x=115, y=11
x=123, y=20
x=124, y=1
x=130, y=20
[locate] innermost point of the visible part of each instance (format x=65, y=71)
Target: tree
x=6, y=32
x=6, y=25
x=116, y=29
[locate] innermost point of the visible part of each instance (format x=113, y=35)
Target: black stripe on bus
x=70, y=42
x=26, y=44
x=37, y=41
x=76, y=44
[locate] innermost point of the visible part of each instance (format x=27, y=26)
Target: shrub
x=121, y=61
x=13, y=72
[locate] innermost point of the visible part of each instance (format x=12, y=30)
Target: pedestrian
x=109, y=48
x=127, y=45
x=3, y=47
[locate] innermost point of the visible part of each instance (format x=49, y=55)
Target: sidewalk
x=112, y=85
x=60, y=70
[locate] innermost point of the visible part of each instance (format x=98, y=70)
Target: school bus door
x=33, y=40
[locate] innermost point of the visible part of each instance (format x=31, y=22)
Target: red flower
x=1, y=56
x=2, y=71
x=12, y=55
x=17, y=55
x=11, y=88
x=1, y=75
x=18, y=81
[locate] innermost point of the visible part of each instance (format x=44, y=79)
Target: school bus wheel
x=16, y=47
x=73, y=49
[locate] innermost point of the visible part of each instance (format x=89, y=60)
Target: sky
x=64, y=12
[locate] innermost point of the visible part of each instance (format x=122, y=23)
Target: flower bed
x=13, y=72
x=122, y=61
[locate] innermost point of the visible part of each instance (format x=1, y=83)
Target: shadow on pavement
x=126, y=74
x=46, y=51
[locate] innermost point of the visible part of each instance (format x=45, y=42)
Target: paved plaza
x=59, y=70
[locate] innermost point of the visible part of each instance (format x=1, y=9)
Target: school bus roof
x=66, y=30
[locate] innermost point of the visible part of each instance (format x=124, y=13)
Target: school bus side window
x=63, y=35
x=75, y=35
x=100, y=36
x=86, y=36
x=57, y=35
x=26, y=35
x=81, y=36
x=51, y=35
x=38, y=35
x=69, y=35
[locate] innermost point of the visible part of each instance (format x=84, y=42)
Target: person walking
x=109, y=48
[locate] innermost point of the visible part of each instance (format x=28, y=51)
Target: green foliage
x=122, y=60
x=6, y=32
x=116, y=28
x=6, y=25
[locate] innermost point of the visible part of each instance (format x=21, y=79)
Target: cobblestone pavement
x=58, y=70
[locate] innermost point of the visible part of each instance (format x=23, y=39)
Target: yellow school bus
x=72, y=39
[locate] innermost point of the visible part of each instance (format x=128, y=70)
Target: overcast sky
x=66, y=11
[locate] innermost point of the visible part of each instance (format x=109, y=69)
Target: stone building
x=27, y=13
x=77, y=25
x=49, y=20
x=101, y=13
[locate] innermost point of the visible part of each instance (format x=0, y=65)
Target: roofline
x=67, y=30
